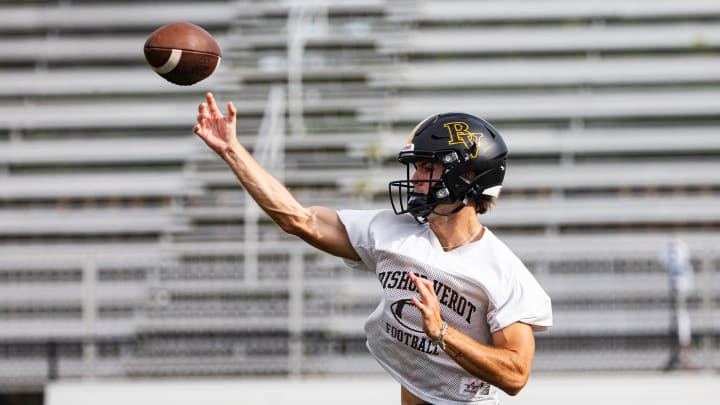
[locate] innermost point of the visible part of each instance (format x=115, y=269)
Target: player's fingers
x=419, y=305
x=231, y=109
x=202, y=113
x=211, y=103
x=420, y=285
x=427, y=293
x=420, y=282
x=414, y=278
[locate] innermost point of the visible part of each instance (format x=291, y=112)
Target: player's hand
x=217, y=130
x=429, y=306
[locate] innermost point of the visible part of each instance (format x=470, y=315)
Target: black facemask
x=404, y=199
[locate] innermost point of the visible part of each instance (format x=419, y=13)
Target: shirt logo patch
x=472, y=387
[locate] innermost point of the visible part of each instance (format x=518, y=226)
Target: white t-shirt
x=482, y=288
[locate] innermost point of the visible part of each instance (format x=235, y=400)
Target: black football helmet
x=462, y=143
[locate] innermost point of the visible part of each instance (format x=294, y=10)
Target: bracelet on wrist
x=441, y=340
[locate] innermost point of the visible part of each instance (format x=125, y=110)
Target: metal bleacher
x=127, y=248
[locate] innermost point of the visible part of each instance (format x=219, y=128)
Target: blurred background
x=128, y=252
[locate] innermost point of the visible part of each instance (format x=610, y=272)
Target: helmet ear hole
x=472, y=193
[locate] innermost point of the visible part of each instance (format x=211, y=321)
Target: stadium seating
x=127, y=248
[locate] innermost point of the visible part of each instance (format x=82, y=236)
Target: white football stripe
x=171, y=63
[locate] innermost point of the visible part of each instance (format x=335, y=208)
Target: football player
x=459, y=310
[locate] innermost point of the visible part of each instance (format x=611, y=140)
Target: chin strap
x=449, y=214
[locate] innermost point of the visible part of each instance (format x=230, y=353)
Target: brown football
x=182, y=53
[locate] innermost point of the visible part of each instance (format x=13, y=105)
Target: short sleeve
x=357, y=225
x=524, y=301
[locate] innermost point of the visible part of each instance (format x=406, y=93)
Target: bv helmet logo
x=460, y=133
x=407, y=315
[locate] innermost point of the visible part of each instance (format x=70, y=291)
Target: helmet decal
x=460, y=134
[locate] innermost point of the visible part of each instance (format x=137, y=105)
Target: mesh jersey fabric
x=482, y=288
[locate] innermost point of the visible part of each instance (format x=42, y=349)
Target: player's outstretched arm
x=505, y=365
x=319, y=226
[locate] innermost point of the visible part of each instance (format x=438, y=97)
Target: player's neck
x=457, y=230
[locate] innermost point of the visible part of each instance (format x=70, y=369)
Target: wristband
x=440, y=341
